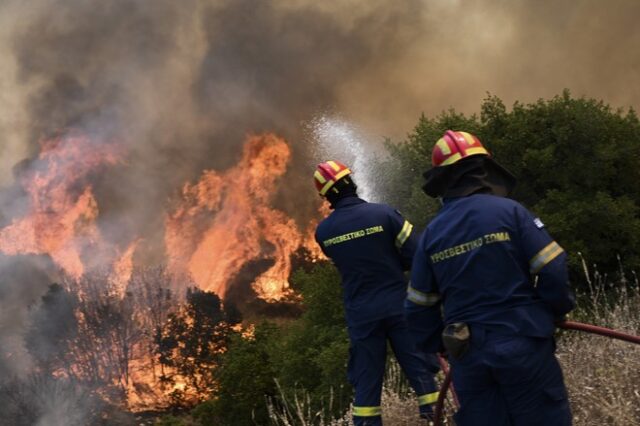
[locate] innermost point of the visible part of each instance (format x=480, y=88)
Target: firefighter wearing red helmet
x=501, y=283
x=372, y=245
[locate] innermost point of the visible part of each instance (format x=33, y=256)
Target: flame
x=123, y=268
x=216, y=227
x=219, y=224
x=309, y=242
x=225, y=221
x=63, y=211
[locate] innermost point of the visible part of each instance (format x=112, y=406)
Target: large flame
x=219, y=224
x=61, y=221
x=226, y=220
x=122, y=268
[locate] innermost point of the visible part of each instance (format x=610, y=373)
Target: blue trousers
x=510, y=381
x=367, y=360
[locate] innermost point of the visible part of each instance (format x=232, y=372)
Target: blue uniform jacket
x=492, y=265
x=371, y=245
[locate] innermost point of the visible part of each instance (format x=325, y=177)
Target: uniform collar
x=348, y=201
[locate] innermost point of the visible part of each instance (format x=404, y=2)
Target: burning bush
x=141, y=349
x=191, y=343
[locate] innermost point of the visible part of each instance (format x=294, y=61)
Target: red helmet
x=454, y=146
x=327, y=174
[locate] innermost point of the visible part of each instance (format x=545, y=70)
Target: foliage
x=577, y=162
x=245, y=380
x=193, y=340
x=308, y=353
x=602, y=375
x=399, y=406
x=88, y=338
x=297, y=408
x=314, y=350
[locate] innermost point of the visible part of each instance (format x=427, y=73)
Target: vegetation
x=603, y=375
x=192, y=342
x=302, y=360
x=577, y=162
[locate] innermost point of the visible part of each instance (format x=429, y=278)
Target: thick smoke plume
x=180, y=84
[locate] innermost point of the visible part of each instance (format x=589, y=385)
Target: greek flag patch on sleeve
x=538, y=223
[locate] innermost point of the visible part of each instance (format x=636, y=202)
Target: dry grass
x=399, y=406
x=602, y=374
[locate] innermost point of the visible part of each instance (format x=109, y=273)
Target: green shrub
x=577, y=162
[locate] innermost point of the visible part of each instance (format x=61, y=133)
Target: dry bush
x=603, y=378
x=399, y=406
x=286, y=412
x=602, y=374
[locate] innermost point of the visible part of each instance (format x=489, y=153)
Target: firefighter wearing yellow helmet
x=501, y=282
x=372, y=245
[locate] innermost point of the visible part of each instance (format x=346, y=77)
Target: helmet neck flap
x=472, y=175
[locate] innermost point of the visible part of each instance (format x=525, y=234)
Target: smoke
x=181, y=83
x=38, y=400
x=23, y=279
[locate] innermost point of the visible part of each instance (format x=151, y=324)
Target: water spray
x=333, y=138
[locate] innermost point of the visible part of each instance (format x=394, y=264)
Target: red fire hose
x=437, y=416
x=602, y=331
x=567, y=325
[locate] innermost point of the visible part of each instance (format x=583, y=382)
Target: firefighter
x=502, y=283
x=372, y=245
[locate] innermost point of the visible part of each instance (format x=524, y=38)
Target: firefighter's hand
x=560, y=319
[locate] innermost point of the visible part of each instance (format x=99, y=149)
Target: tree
x=245, y=379
x=577, y=162
x=192, y=342
x=154, y=299
x=401, y=173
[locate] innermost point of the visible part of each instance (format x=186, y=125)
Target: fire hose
x=566, y=325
